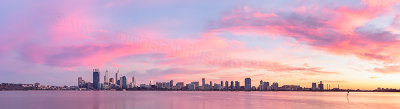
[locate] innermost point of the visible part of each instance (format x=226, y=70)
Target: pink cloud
x=388, y=69
x=216, y=67
x=341, y=30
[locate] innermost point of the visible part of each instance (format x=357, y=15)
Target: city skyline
x=248, y=83
x=124, y=84
x=353, y=43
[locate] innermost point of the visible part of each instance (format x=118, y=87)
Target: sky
x=351, y=43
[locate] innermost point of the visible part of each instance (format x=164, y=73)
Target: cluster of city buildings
x=121, y=83
x=386, y=90
x=36, y=86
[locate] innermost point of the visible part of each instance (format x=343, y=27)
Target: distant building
x=247, y=84
x=203, y=82
x=211, y=84
x=80, y=82
x=89, y=85
x=112, y=81
x=261, y=85
x=151, y=82
x=265, y=85
x=191, y=87
x=314, y=86
x=226, y=85
x=222, y=83
x=96, y=79
x=37, y=85
x=275, y=86
x=217, y=86
x=124, y=82
x=171, y=83
x=117, y=77
x=143, y=86
x=131, y=85
x=320, y=85
x=195, y=83
x=291, y=87
x=159, y=84
x=232, y=86
x=167, y=85
x=180, y=85
x=134, y=81
x=163, y=85
x=120, y=82
x=106, y=80
x=237, y=85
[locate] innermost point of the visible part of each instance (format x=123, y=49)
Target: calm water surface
x=196, y=100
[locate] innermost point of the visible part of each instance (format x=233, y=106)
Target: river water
x=197, y=100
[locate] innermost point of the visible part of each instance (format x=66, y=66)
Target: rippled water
x=195, y=100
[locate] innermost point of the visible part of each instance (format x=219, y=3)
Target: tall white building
x=203, y=82
x=133, y=81
x=151, y=82
x=106, y=80
x=117, y=76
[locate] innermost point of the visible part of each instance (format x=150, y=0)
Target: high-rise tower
x=106, y=80
x=117, y=77
x=96, y=79
x=203, y=82
x=134, y=81
x=124, y=82
x=247, y=83
x=320, y=85
x=80, y=82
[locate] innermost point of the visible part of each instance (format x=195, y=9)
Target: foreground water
x=195, y=100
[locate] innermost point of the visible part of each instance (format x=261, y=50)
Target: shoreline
x=188, y=91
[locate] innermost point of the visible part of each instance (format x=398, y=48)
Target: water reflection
x=194, y=100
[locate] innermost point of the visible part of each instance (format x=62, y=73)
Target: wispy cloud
x=342, y=30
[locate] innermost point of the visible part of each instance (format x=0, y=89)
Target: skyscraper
x=211, y=84
x=320, y=85
x=232, y=85
x=226, y=85
x=120, y=82
x=117, y=77
x=134, y=81
x=124, y=82
x=261, y=85
x=314, y=86
x=179, y=85
x=222, y=84
x=151, y=82
x=275, y=86
x=171, y=83
x=106, y=80
x=247, y=83
x=203, y=82
x=112, y=81
x=96, y=79
x=80, y=82
x=237, y=85
x=265, y=85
